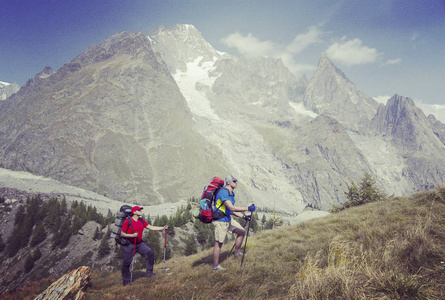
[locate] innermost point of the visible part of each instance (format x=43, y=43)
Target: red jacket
x=136, y=226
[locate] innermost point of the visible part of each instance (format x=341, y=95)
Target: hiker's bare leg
x=239, y=239
x=216, y=252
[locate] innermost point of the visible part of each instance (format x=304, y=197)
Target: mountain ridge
x=137, y=116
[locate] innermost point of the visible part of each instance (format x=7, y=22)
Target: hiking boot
x=126, y=283
x=218, y=268
x=239, y=254
x=150, y=275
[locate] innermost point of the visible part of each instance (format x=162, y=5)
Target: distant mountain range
x=150, y=119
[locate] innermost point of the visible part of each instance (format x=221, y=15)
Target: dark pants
x=127, y=256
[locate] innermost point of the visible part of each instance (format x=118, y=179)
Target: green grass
x=393, y=249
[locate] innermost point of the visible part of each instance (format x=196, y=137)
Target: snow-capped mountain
x=152, y=118
x=7, y=89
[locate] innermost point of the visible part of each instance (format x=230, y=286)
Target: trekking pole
x=165, y=246
x=131, y=270
x=232, y=249
x=245, y=245
x=235, y=241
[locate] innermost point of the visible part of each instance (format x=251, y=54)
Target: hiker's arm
x=239, y=215
x=129, y=235
x=235, y=209
x=156, y=228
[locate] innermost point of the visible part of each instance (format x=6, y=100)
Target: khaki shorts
x=221, y=229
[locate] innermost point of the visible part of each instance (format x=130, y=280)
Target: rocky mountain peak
x=402, y=121
x=45, y=73
x=111, y=119
x=327, y=68
x=122, y=43
x=330, y=92
x=397, y=110
x=182, y=44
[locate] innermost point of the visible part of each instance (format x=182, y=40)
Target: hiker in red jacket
x=133, y=232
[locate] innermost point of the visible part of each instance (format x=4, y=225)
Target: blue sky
x=383, y=46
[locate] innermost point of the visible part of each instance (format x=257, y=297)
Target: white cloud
x=304, y=40
x=251, y=46
x=352, y=52
x=396, y=61
x=438, y=110
x=382, y=99
x=289, y=62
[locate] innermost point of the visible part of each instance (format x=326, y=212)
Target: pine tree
x=353, y=195
x=254, y=226
x=153, y=241
x=110, y=217
x=104, y=247
x=38, y=235
x=2, y=244
x=201, y=236
x=19, y=215
x=210, y=241
x=269, y=224
x=63, y=206
x=62, y=237
x=148, y=219
x=96, y=235
x=26, y=229
x=76, y=224
x=32, y=209
x=263, y=221
x=171, y=228
x=36, y=255
x=13, y=245
x=366, y=192
x=74, y=204
x=53, y=219
x=190, y=246
x=29, y=264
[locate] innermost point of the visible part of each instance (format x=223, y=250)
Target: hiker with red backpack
x=225, y=208
x=132, y=230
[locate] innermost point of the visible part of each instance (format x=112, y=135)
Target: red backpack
x=205, y=213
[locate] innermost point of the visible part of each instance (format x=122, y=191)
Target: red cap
x=135, y=208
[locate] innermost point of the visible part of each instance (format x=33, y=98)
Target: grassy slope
x=387, y=250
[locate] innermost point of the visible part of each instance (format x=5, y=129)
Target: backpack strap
x=129, y=224
x=222, y=202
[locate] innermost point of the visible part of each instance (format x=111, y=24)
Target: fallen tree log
x=69, y=286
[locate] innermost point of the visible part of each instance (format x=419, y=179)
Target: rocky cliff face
x=152, y=118
x=330, y=92
x=113, y=121
x=405, y=126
